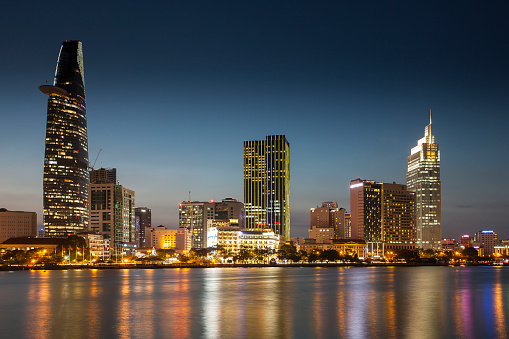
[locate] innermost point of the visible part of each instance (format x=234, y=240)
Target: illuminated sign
x=357, y=185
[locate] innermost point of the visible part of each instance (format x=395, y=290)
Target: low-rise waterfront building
x=99, y=248
x=501, y=250
x=231, y=239
x=163, y=238
x=448, y=244
x=31, y=243
x=342, y=246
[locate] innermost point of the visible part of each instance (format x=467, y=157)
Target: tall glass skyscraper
x=267, y=184
x=423, y=178
x=66, y=177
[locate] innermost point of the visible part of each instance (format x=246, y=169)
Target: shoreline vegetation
x=217, y=265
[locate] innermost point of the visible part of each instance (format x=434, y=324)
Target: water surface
x=272, y=302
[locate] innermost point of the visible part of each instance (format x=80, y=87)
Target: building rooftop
x=32, y=241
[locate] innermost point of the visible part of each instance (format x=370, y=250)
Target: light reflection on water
x=413, y=302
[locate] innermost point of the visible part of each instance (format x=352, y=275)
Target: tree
x=183, y=258
x=409, y=255
x=244, y=255
x=329, y=255
x=471, y=254
x=288, y=252
x=165, y=253
x=429, y=253
x=313, y=256
x=224, y=253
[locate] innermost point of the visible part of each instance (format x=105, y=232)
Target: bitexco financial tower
x=66, y=177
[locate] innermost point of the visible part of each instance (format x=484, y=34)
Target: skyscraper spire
x=430, y=127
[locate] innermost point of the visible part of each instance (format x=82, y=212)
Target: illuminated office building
x=365, y=209
x=195, y=216
x=398, y=217
x=487, y=240
x=66, y=176
x=267, y=185
x=382, y=214
x=112, y=214
x=143, y=221
x=162, y=237
x=423, y=178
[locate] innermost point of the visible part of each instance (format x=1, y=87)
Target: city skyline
x=349, y=87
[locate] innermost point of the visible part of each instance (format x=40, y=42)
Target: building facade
x=342, y=246
x=383, y=215
x=398, y=217
x=365, y=209
x=66, y=176
x=231, y=240
x=487, y=241
x=267, y=184
x=195, y=215
x=321, y=234
x=29, y=243
x=143, y=220
x=15, y=224
x=163, y=238
x=329, y=215
x=112, y=215
x=99, y=248
x=423, y=178
x=183, y=240
x=103, y=176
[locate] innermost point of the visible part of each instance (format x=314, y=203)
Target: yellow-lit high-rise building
x=267, y=184
x=423, y=178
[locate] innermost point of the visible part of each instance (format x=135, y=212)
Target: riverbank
x=239, y=265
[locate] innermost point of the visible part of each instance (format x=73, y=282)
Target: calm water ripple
x=377, y=302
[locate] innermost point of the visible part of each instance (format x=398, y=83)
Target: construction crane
x=97, y=157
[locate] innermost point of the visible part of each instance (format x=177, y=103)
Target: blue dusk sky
x=174, y=88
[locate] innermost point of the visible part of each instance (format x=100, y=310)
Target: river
x=271, y=302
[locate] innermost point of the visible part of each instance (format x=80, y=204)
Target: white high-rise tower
x=423, y=177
